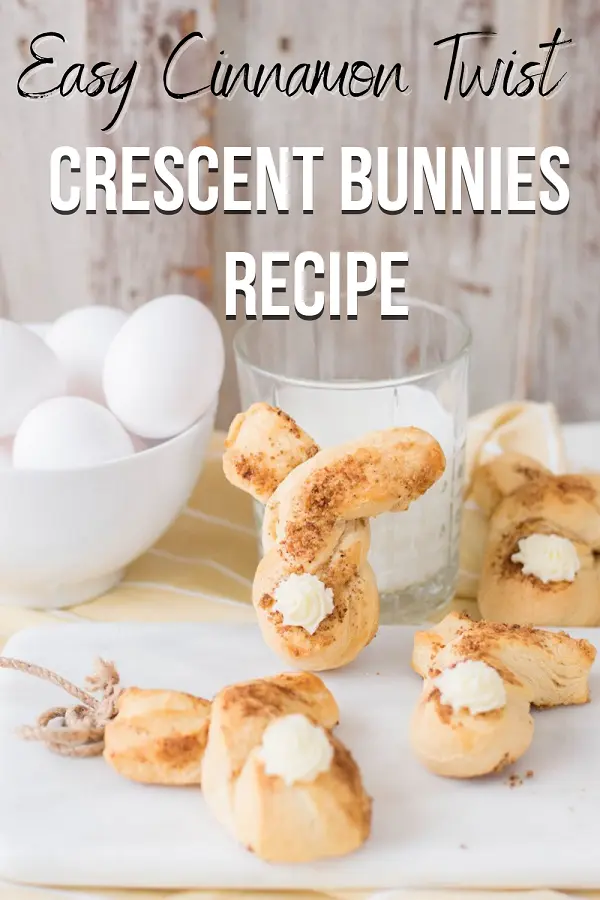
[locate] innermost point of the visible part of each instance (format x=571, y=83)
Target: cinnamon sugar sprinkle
x=481, y=637
x=254, y=467
x=516, y=780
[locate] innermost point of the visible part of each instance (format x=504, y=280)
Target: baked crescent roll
x=487, y=486
x=457, y=744
x=539, y=565
x=314, y=592
x=509, y=594
x=275, y=776
x=473, y=717
x=553, y=667
x=384, y=471
x=158, y=737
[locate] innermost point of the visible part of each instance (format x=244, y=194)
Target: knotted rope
x=76, y=731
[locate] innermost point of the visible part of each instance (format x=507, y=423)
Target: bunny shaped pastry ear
x=494, y=481
x=314, y=592
x=553, y=666
x=262, y=447
x=275, y=776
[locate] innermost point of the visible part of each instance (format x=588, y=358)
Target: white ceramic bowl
x=66, y=536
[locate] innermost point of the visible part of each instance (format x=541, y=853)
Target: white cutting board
x=76, y=822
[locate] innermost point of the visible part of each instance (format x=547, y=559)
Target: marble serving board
x=76, y=822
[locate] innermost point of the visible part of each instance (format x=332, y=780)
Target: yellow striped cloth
x=202, y=569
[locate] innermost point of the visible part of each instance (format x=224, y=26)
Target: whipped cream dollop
x=548, y=557
x=295, y=750
x=472, y=685
x=303, y=600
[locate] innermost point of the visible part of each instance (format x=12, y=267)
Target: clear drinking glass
x=341, y=379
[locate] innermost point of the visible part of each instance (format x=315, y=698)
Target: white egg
x=68, y=433
x=39, y=328
x=6, y=454
x=29, y=373
x=164, y=368
x=80, y=340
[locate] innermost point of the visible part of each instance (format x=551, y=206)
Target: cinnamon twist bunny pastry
x=314, y=591
x=275, y=776
x=481, y=678
x=553, y=666
x=539, y=565
x=454, y=736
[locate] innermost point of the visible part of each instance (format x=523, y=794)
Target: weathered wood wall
x=49, y=262
x=564, y=358
x=526, y=284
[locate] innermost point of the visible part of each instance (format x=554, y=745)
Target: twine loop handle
x=78, y=730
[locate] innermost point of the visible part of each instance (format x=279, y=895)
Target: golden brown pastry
x=552, y=666
x=510, y=593
x=496, y=480
x=539, y=565
x=158, y=737
x=275, y=776
x=529, y=429
x=567, y=502
x=456, y=743
x=262, y=447
x=314, y=592
x=473, y=716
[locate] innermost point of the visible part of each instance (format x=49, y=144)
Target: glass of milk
x=342, y=379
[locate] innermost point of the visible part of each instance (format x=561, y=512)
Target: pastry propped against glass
x=314, y=591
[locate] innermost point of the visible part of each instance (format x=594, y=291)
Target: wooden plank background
x=527, y=285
